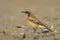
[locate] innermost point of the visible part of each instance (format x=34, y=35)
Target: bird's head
x=26, y=12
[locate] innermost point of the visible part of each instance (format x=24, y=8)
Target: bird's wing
x=40, y=23
x=36, y=21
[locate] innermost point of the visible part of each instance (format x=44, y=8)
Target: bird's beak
x=26, y=12
x=23, y=12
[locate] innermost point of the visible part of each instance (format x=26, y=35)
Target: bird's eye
x=27, y=12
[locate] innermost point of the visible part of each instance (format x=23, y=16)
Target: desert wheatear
x=33, y=21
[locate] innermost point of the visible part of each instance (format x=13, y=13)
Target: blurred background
x=10, y=10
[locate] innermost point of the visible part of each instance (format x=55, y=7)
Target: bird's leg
x=34, y=29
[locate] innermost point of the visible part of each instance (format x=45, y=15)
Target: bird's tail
x=45, y=28
x=49, y=29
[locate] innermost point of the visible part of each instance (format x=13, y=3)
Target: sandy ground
x=48, y=11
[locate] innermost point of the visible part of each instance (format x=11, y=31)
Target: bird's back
x=35, y=20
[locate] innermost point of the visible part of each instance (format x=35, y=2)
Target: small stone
x=45, y=31
x=51, y=26
x=56, y=31
x=20, y=26
x=21, y=33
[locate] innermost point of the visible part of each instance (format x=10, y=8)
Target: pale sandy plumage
x=33, y=21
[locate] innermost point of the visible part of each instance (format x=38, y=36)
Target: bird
x=34, y=22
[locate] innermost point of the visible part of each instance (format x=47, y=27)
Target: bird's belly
x=32, y=24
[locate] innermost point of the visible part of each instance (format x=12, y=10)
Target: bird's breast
x=32, y=24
